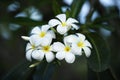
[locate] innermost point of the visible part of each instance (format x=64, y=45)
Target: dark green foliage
x=100, y=56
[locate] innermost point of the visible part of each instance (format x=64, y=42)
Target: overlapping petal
x=45, y=28
x=76, y=50
x=70, y=58
x=87, y=51
x=61, y=30
x=28, y=55
x=28, y=47
x=61, y=17
x=87, y=43
x=54, y=22
x=58, y=46
x=49, y=56
x=36, y=30
x=60, y=55
x=38, y=55
x=71, y=20
x=81, y=36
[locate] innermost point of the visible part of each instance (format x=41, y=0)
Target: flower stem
x=53, y=29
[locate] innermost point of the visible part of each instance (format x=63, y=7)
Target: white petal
x=35, y=40
x=61, y=30
x=70, y=39
x=51, y=34
x=25, y=38
x=87, y=43
x=81, y=36
x=87, y=51
x=58, y=46
x=60, y=55
x=46, y=41
x=36, y=30
x=61, y=17
x=70, y=58
x=28, y=55
x=45, y=28
x=38, y=55
x=75, y=26
x=28, y=47
x=54, y=22
x=71, y=20
x=76, y=50
x=49, y=56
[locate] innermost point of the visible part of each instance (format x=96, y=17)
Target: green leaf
x=100, y=55
x=26, y=21
x=105, y=26
x=76, y=7
x=40, y=69
x=105, y=18
x=49, y=71
x=44, y=71
x=20, y=72
x=56, y=8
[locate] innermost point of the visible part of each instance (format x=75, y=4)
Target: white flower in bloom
x=62, y=24
x=33, y=51
x=38, y=52
x=79, y=43
x=63, y=51
x=42, y=35
x=46, y=50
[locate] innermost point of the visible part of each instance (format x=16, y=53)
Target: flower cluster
x=41, y=43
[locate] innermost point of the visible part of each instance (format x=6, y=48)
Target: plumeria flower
x=32, y=51
x=46, y=50
x=62, y=24
x=39, y=52
x=42, y=35
x=63, y=52
x=79, y=44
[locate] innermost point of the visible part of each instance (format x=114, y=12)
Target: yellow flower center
x=64, y=24
x=42, y=34
x=46, y=48
x=67, y=49
x=80, y=44
x=33, y=46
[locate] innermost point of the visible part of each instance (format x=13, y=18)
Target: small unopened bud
x=25, y=38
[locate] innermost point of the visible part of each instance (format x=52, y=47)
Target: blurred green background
x=18, y=17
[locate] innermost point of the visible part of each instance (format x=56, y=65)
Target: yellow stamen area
x=64, y=24
x=67, y=49
x=80, y=44
x=33, y=46
x=46, y=48
x=42, y=34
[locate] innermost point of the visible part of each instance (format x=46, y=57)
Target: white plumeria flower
x=46, y=50
x=79, y=43
x=62, y=24
x=32, y=51
x=38, y=52
x=42, y=35
x=63, y=51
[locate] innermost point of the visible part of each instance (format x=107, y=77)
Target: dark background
x=13, y=26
